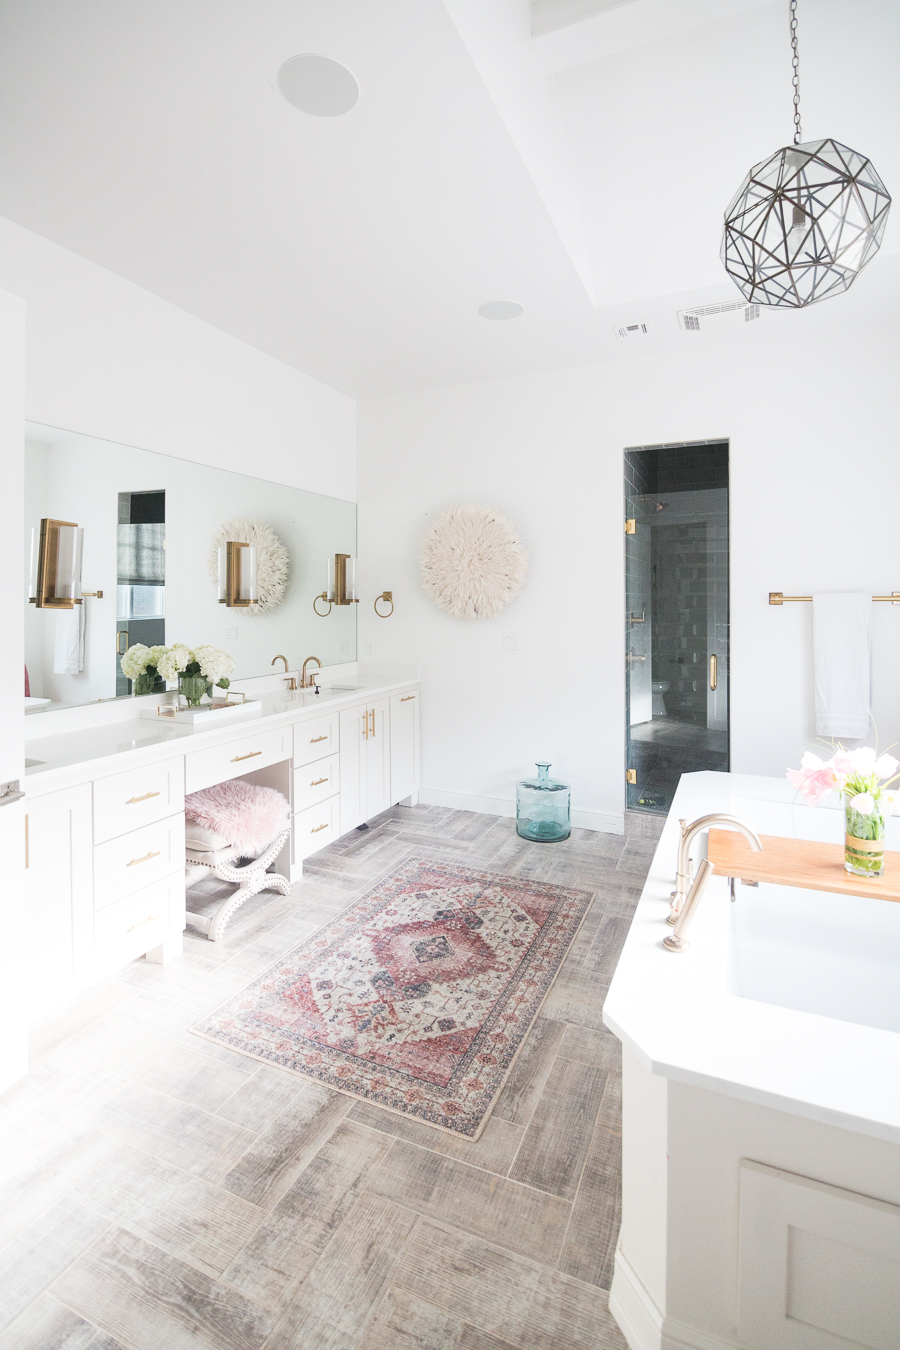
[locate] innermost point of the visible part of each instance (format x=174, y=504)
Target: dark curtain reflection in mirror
x=141, y=575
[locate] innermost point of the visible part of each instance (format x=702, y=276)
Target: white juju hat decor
x=472, y=562
x=272, y=560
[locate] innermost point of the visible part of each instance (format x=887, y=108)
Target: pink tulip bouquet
x=862, y=778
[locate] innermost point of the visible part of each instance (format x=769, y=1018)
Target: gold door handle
x=372, y=715
x=317, y=828
x=713, y=671
x=407, y=697
x=252, y=755
x=146, y=797
x=314, y=740
x=143, y=923
x=318, y=781
x=120, y=650
x=146, y=858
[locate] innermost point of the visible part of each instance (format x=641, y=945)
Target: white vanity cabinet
x=365, y=762
x=59, y=903
x=404, y=745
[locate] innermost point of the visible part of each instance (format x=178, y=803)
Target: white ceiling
x=582, y=172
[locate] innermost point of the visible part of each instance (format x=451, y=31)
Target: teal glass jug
x=543, y=811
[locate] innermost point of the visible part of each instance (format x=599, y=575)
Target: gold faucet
x=280, y=658
x=688, y=835
x=309, y=683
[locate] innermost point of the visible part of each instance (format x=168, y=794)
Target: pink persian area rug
x=418, y=997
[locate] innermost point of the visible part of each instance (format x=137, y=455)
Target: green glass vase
x=194, y=688
x=543, y=808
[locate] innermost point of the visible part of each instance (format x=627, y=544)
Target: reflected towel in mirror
x=68, y=653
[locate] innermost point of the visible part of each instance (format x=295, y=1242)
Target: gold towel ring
x=388, y=597
x=323, y=596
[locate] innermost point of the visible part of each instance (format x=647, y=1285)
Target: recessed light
x=318, y=85
x=500, y=309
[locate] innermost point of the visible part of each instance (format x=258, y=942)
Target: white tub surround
x=761, y=1102
x=104, y=807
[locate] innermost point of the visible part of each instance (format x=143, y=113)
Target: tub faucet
x=688, y=835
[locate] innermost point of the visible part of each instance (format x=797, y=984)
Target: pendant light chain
x=795, y=62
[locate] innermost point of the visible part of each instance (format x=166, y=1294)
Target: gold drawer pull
x=143, y=923
x=146, y=858
x=314, y=740
x=317, y=828
x=146, y=797
x=318, y=781
x=252, y=755
x=406, y=698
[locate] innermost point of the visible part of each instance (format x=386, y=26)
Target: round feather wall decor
x=472, y=562
x=272, y=560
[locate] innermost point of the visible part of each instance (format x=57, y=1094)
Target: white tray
x=207, y=715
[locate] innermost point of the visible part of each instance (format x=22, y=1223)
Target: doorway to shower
x=676, y=618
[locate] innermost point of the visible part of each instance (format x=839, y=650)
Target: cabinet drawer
x=128, y=928
x=314, y=782
x=133, y=860
x=125, y=800
x=205, y=767
x=315, y=827
x=315, y=740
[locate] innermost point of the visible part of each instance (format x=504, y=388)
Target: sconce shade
x=341, y=584
x=237, y=575
x=55, y=573
x=803, y=224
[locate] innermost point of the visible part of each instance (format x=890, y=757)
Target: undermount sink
x=341, y=688
x=817, y=952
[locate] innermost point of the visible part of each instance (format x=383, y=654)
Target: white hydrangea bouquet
x=196, y=669
x=862, y=777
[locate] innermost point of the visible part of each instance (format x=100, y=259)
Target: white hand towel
x=68, y=655
x=842, y=655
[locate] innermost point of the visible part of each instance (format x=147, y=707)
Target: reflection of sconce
x=388, y=598
x=55, y=580
x=341, y=589
x=237, y=575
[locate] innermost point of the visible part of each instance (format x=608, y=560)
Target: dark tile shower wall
x=680, y=588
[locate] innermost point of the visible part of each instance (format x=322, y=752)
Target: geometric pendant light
x=805, y=221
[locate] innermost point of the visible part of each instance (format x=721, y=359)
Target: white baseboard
x=642, y=1322
x=605, y=822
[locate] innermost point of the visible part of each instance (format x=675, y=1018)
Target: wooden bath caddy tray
x=799, y=862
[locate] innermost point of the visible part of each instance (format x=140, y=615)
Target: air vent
x=631, y=330
x=732, y=313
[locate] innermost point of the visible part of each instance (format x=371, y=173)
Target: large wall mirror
x=148, y=529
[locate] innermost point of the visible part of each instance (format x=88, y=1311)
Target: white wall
x=807, y=402
x=108, y=359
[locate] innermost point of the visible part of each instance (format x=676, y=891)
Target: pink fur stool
x=234, y=831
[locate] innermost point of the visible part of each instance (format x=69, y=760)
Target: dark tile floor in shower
x=663, y=749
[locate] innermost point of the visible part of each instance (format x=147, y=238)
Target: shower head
x=660, y=506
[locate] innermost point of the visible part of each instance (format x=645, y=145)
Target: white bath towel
x=842, y=655
x=68, y=654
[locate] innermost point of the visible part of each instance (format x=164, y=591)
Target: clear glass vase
x=543, y=811
x=147, y=683
x=194, y=688
x=863, y=842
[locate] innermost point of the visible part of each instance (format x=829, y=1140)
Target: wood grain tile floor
x=160, y=1192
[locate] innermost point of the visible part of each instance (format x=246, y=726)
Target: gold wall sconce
x=341, y=587
x=55, y=574
x=237, y=575
x=388, y=598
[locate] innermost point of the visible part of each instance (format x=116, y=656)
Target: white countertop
x=675, y=1011
x=74, y=756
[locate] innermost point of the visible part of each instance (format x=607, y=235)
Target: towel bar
x=776, y=598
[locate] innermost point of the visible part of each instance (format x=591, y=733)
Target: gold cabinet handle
x=406, y=698
x=120, y=650
x=314, y=740
x=146, y=797
x=252, y=755
x=143, y=923
x=713, y=671
x=372, y=715
x=318, y=781
x=27, y=861
x=146, y=858
x=366, y=724
x=317, y=828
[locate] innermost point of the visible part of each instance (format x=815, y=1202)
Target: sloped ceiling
x=582, y=171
